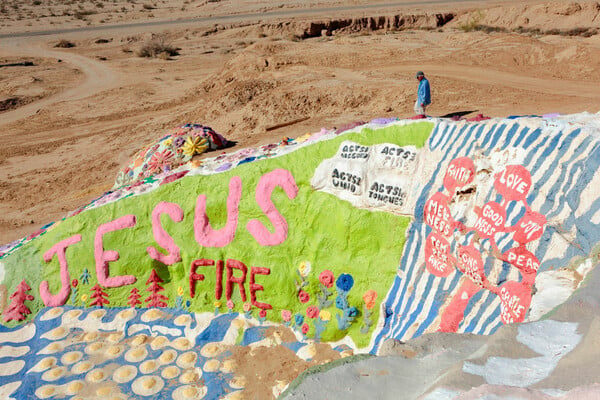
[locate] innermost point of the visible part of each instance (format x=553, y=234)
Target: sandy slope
x=83, y=117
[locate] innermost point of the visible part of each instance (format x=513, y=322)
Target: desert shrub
x=64, y=44
x=81, y=14
x=156, y=46
x=472, y=23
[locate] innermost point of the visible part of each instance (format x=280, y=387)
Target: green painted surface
x=327, y=232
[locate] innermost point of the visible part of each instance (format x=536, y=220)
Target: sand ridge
x=85, y=110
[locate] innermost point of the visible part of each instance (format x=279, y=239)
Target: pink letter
x=60, y=250
x=266, y=185
x=104, y=257
x=176, y=213
x=205, y=235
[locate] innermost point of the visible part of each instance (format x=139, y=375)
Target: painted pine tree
x=17, y=310
x=99, y=296
x=155, y=299
x=134, y=298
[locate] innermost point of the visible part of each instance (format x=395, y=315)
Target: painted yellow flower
x=84, y=297
x=168, y=142
x=194, y=145
x=217, y=304
x=325, y=315
x=304, y=268
x=180, y=291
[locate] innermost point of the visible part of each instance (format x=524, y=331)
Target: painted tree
x=134, y=298
x=155, y=299
x=17, y=310
x=99, y=296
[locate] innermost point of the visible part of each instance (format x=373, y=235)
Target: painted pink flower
x=262, y=313
x=312, y=312
x=230, y=304
x=247, y=307
x=286, y=315
x=326, y=278
x=303, y=296
x=160, y=160
x=305, y=328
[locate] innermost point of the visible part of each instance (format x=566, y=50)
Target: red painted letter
x=203, y=262
x=254, y=287
x=230, y=265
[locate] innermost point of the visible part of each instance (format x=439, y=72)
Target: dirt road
x=242, y=68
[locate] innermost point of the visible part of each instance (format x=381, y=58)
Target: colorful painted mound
x=176, y=148
x=302, y=253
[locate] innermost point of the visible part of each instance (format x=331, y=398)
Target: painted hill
x=229, y=277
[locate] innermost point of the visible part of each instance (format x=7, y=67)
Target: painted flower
x=326, y=278
x=312, y=312
x=230, y=304
x=180, y=291
x=286, y=315
x=303, y=296
x=352, y=312
x=345, y=282
x=298, y=319
x=160, y=160
x=178, y=141
x=74, y=282
x=305, y=328
x=262, y=313
x=217, y=304
x=168, y=142
x=84, y=297
x=194, y=145
x=247, y=307
x=369, y=297
x=325, y=315
x=341, y=302
x=304, y=268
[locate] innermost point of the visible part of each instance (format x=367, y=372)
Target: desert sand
x=70, y=117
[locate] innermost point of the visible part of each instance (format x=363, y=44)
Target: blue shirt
x=424, y=93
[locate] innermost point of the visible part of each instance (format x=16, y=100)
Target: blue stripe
x=520, y=137
x=535, y=134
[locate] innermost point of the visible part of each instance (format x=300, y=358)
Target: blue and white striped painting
x=563, y=156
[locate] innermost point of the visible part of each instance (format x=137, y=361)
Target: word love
x=513, y=183
x=204, y=234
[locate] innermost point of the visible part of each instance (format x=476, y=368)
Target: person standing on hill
x=423, y=94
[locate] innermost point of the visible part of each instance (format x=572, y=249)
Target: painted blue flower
x=299, y=319
x=352, y=312
x=344, y=282
x=341, y=302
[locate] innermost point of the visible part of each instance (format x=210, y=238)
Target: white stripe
x=21, y=335
x=8, y=389
x=10, y=351
x=11, y=368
